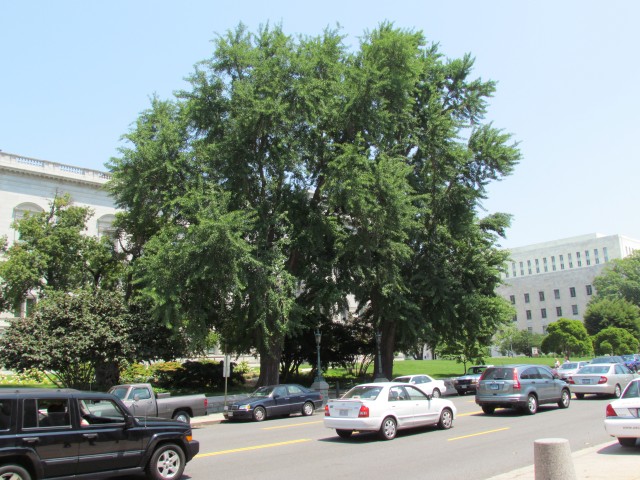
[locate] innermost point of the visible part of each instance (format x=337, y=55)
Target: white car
x=427, y=384
x=386, y=407
x=569, y=368
x=622, y=419
x=601, y=379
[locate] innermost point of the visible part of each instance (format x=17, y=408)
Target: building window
x=596, y=256
x=578, y=259
x=537, y=266
x=515, y=317
x=606, y=255
x=544, y=329
x=513, y=299
x=543, y=312
x=561, y=262
x=558, y=311
x=544, y=261
x=570, y=261
x=574, y=309
x=522, y=268
x=589, y=290
x=586, y=257
x=530, y=329
x=556, y=294
x=513, y=268
x=553, y=263
x=526, y=298
x=541, y=295
x=528, y=312
x=572, y=291
x=529, y=267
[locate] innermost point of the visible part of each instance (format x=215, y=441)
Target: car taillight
x=364, y=411
x=602, y=380
x=610, y=412
x=482, y=376
x=516, y=382
x=326, y=411
x=206, y=403
x=571, y=380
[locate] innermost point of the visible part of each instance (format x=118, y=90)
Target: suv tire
x=532, y=405
x=14, y=472
x=488, y=410
x=167, y=463
x=565, y=399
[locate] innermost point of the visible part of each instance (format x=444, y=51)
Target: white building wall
x=549, y=280
x=32, y=184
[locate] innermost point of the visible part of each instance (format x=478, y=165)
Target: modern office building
x=30, y=185
x=550, y=280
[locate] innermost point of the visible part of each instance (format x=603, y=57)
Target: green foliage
x=70, y=335
x=605, y=312
x=614, y=341
x=194, y=375
x=620, y=279
x=568, y=338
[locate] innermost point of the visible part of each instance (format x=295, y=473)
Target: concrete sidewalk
x=605, y=461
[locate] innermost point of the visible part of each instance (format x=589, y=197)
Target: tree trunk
x=107, y=375
x=270, y=361
x=387, y=346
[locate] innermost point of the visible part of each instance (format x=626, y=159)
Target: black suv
x=58, y=434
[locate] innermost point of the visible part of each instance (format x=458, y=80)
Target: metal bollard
x=552, y=459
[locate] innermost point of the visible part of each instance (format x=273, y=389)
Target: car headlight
x=244, y=407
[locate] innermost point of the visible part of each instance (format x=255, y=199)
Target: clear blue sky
x=75, y=75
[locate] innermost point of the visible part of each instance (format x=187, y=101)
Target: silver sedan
x=600, y=379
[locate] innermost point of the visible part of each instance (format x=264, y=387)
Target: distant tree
x=603, y=312
x=525, y=341
x=567, y=337
x=464, y=351
x=614, y=341
x=620, y=279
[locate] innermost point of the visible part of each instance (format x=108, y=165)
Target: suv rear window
x=498, y=373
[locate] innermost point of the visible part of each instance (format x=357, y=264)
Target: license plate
x=344, y=412
x=463, y=386
x=494, y=386
x=586, y=381
x=230, y=413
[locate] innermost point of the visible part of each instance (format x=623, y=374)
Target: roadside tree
x=614, y=341
x=620, y=279
x=605, y=312
x=568, y=338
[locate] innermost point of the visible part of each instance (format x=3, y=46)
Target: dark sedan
x=273, y=401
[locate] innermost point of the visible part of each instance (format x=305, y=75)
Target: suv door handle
x=31, y=440
x=90, y=436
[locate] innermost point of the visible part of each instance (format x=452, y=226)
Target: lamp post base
x=319, y=385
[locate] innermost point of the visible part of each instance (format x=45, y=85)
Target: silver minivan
x=521, y=386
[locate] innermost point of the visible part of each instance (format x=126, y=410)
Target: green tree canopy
x=620, y=279
x=568, y=338
x=614, y=341
x=604, y=312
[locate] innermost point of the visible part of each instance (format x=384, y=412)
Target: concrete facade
x=28, y=184
x=550, y=280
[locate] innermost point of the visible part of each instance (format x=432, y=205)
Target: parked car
x=569, y=368
x=632, y=361
x=386, y=407
x=47, y=433
x=600, y=379
x=521, y=386
x=468, y=382
x=621, y=416
x=274, y=400
x=142, y=401
x=427, y=384
x=608, y=359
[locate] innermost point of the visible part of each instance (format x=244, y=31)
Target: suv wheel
x=488, y=410
x=14, y=472
x=532, y=405
x=565, y=399
x=167, y=463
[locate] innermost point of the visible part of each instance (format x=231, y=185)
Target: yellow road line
x=480, y=433
x=290, y=426
x=468, y=413
x=255, y=447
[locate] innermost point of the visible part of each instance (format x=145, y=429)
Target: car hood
x=162, y=422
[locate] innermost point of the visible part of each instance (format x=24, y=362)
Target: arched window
x=104, y=226
x=23, y=209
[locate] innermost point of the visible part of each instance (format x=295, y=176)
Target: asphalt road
x=479, y=446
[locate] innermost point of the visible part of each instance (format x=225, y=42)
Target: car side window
x=294, y=390
x=544, y=374
x=397, y=393
x=424, y=379
x=529, y=374
x=5, y=414
x=100, y=412
x=46, y=413
x=280, y=391
x=415, y=394
x=143, y=393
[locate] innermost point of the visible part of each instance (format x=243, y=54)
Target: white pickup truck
x=142, y=402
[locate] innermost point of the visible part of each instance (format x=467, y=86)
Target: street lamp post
x=379, y=377
x=319, y=385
